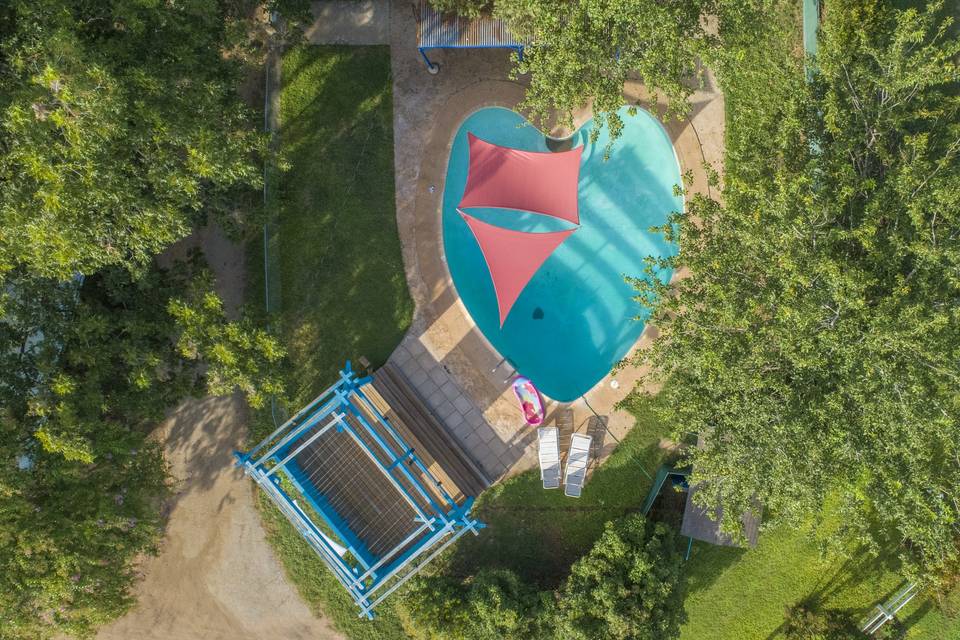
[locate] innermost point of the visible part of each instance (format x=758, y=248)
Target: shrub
x=627, y=587
x=806, y=622
x=495, y=603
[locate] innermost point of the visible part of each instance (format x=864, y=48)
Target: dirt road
x=216, y=576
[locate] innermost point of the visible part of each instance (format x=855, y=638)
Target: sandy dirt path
x=216, y=576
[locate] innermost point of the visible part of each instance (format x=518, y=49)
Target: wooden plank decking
x=439, y=449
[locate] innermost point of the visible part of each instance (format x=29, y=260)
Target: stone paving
x=495, y=453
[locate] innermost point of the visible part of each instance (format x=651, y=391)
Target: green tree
x=628, y=587
x=803, y=621
x=87, y=371
x=120, y=129
x=815, y=343
x=238, y=355
x=82, y=377
x=495, y=603
x=465, y=8
x=581, y=52
x=585, y=50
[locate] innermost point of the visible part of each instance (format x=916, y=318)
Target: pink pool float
x=529, y=399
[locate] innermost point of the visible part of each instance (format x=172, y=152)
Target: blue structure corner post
x=431, y=67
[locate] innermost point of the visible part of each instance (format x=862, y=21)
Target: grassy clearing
x=541, y=533
x=342, y=288
x=738, y=594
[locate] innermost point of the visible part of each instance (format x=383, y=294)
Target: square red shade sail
x=539, y=182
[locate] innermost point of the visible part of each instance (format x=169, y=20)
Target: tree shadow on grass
x=857, y=569
x=918, y=614
x=341, y=272
x=539, y=533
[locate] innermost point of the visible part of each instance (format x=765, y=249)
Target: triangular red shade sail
x=505, y=178
x=512, y=257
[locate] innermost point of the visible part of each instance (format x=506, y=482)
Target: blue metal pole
x=423, y=53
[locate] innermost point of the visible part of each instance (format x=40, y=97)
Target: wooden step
x=439, y=444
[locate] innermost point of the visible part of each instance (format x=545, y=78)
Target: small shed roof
x=698, y=524
x=437, y=30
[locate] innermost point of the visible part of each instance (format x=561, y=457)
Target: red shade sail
x=512, y=257
x=505, y=178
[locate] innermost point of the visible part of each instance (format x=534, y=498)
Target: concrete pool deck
x=444, y=355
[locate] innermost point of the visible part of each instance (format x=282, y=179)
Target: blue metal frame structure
x=280, y=466
x=438, y=31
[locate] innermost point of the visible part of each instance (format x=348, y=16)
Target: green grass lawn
x=736, y=594
x=343, y=293
x=343, y=290
x=541, y=533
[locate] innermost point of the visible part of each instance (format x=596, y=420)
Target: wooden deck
x=439, y=449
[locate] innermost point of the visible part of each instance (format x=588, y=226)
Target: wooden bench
x=439, y=449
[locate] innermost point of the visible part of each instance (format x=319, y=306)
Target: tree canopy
x=815, y=343
x=579, y=53
x=628, y=587
x=495, y=603
x=87, y=371
x=119, y=129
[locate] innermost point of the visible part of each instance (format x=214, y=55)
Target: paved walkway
x=495, y=454
x=350, y=22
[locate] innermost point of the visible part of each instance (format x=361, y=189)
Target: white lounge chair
x=575, y=473
x=549, y=449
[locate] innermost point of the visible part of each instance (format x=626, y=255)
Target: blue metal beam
x=371, y=574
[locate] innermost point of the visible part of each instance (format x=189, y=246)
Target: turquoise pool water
x=576, y=317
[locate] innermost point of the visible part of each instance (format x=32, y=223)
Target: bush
x=805, y=622
x=495, y=603
x=628, y=586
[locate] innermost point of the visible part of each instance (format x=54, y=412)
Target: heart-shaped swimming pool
x=576, y=317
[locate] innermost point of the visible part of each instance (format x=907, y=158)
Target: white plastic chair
x=575, y=473
x=549, y=450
